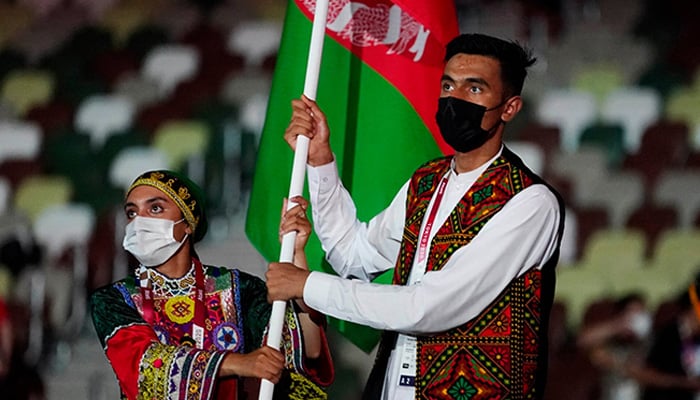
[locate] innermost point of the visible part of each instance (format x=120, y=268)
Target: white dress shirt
x=521, y=236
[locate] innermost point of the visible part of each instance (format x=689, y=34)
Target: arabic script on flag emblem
x=378, y=24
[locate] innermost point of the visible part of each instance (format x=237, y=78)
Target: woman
x=178, y=329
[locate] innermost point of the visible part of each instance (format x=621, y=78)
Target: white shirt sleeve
x=353, y=248
x=521, y=236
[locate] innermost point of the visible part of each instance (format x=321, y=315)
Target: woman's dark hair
x=513, y=58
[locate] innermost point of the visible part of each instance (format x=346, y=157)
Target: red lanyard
x=199, y=308
x=423, y=244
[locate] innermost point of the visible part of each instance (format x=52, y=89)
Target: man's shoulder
x=435, y=163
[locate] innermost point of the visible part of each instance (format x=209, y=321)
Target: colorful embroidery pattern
x=490, y=356
x=499, y=348
x=228, y=337
x=179, y=309
x=153, y=385
x=291, y=339
x=167, y=364
x=191, y=372
x=166, y=287
x=303, y=389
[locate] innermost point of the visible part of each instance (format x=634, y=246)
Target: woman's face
x=147, y=201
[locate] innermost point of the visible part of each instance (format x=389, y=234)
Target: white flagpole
x=296, y=184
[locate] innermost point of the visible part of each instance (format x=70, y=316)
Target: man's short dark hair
x=513, y=57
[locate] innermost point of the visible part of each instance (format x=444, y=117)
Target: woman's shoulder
x=108, y=296
x=128, y=284
x=238, y=275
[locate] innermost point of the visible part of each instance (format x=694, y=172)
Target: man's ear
x=512, y=108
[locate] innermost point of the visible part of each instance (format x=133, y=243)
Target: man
x=473, y=239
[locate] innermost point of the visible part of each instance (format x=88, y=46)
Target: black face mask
x=460, y=123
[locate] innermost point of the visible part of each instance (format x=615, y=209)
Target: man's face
x=476, y=79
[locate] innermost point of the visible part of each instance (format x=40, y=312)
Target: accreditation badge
x=407, y=374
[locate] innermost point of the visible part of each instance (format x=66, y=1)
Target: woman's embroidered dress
x=161, y=359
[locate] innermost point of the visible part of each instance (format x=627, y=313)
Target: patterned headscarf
x=186, y=194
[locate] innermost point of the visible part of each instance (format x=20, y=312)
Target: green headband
x=188, y=197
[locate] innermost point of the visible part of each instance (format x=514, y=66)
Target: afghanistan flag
x=379, y=85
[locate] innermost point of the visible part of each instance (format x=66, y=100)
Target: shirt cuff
x=317, y=290
x=325, y=176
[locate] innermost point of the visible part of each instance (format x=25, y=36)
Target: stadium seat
x=531, y=154
x=132, y=161
x=678, y=188
x=75, y=222
x=184, y=142
x=240, y=87
x=569, y=110
x=656, y=284
x=54, y=117
x=682, y=106
x=125, y=17
x=141, y=91
x=65, y=286
x=113, y=65
x=254, y=40
x=546, y=136
x=663, y=78
x=15, y=171
x=599, y=79
x=614, y=249
x=635, y=108
x=665, y=145
x=209, y=41
x=60, y=154
x=609, y=138
x=576, y=288
x=26, y=88
x=620, y=193
x=118, y=142
x=252, y=113
x=151, y=117
x=589, y=220
x=653, y=220
x=583, y=168
x=169, y=65
x=677, y=254
x=100, y=116
x=36, y=193
x=19, y=140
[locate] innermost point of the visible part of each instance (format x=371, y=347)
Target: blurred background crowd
x=92, y=92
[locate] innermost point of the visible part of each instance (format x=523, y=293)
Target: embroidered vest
x=501, y=353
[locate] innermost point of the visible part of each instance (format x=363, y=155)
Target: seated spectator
x=672, y=369
x=616, y=345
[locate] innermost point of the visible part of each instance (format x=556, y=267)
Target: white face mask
x=640, y=323
x=151, y=240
